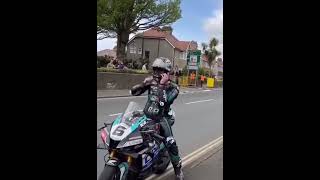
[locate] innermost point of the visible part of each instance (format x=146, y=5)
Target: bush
x=144, y=61
x=140, y=63
x=132, y=71
x=136, y=65
x=185, y=71
x=128, y=63
x=219, y=83
x=206, y=72
x=201, y=71
x=102, y=61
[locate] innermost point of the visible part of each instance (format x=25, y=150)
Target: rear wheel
x=108, y=173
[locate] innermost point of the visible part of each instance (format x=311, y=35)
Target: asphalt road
x=199, y=119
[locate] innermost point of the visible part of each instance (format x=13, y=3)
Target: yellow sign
x=210, y=82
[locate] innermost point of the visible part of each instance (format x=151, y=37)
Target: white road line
x=144, y=96
x=128, y=97
x=114, y=114
x=200, y=101
x=189, y=158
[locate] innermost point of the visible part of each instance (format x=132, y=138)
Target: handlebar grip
x=158, y=136
x=101, y=128
x=154, y=134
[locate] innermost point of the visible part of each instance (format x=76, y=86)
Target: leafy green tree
x=119, y=18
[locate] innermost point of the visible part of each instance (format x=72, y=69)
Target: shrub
x=185, y=71
x=102, y=61
x=201, y=71
x=132, y=71
x=219, y=83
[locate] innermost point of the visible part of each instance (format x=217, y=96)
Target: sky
x=201, y=20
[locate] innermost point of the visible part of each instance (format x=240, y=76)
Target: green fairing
x=135, y=125
x=117, y=121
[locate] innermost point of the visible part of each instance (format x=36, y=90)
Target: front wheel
x=108, y=173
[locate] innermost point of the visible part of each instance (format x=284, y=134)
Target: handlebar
x=154, y=134
x=105, y=125
x=158, y=136
x=101, y=146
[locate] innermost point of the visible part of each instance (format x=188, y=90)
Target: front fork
x=123, y=166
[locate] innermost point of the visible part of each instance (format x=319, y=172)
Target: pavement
x=210, y=169
x=199, y=120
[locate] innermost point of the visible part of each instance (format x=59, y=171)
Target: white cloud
x=107, y=43
x=220, y=48
x=213, y=26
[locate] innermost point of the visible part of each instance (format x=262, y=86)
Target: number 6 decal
x=119, y=131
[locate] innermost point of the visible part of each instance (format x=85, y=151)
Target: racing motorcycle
x=135, y=147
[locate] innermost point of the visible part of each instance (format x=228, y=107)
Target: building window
x=182, y=55
x=140, y=51
x=133, y=49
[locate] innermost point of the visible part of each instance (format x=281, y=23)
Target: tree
x=167, y=28
x=204, y=46
x=210, y=51
x=120, y=18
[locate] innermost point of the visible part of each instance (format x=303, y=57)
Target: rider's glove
x=164, y=78
x=148, y=80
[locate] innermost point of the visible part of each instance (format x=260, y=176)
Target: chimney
x=167, y=29
x=156, y=28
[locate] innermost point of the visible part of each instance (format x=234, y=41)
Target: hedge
x=219, y=83
x=132, y=71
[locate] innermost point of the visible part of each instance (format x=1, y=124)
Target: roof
x=183, y=45
x=157, y=33
x=109, y=52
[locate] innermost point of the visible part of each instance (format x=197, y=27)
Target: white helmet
x=162, y=63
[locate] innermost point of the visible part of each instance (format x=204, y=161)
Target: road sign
x=193, y=59
x=193, y=67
